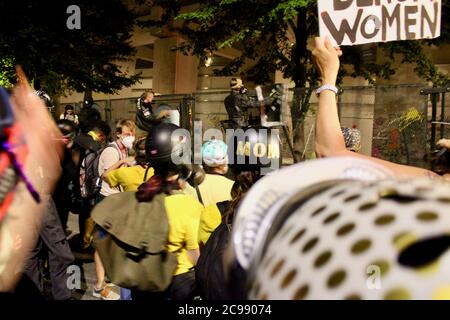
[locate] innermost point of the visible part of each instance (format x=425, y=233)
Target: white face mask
x=128, y=142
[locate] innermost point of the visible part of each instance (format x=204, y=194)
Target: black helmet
x=253, y=148
x=88, y=102
x=163, y=149
x=197, y=176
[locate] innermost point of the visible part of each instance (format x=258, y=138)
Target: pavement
x=85, y=260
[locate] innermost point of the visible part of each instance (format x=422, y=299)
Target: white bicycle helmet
x=345, y=238
x=259, y=208
x=214, y=153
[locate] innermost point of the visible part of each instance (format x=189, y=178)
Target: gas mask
x=145, y=108
x=243, y=90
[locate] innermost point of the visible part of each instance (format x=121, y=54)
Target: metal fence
x=395, y=121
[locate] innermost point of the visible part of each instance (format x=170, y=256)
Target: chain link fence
x=393, y=121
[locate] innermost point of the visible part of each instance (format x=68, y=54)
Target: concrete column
x=173, y=71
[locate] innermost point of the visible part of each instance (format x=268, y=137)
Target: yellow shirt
x=129, y=178
x=215, y=188
x=190, y=190
x=209, y=221
x=183, y=213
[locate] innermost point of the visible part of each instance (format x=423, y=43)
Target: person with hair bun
x=183, y=211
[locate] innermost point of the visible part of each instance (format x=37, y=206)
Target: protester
x=52, y=240
x=158, y=227
x=215, y=187
x=215, y=190
x=329, y=139
x=210, y=273
x=265, y=239
x=129, y=177
x=89, y=115
x=69, y=114
x=183, y=212
x=83, y=145
x=66, y=195
x=114, y=155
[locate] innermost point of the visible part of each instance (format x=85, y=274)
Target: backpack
x=90, y=179
x=209, y=271
x=131, y=239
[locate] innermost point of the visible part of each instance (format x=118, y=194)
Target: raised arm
x=329, y=139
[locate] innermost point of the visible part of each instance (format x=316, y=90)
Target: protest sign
x=351, y=22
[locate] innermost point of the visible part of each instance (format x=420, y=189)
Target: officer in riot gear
x=148, y=113
x=237, y=103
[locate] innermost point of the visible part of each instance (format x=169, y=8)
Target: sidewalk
x=85, y=261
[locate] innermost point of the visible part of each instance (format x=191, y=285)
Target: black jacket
x=237, y=104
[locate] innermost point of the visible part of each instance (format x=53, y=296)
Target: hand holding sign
x=326, y=59
x=351, y=22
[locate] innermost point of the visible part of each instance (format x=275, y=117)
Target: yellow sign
x=259, y=150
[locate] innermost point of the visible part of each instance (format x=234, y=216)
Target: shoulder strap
x=199, y=194
x=116, y=147
x=146, y=172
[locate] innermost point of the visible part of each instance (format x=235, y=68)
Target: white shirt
x=109, y=157
x=70, y=117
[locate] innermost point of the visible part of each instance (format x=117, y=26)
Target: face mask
x=242, y=90
x=128, y=142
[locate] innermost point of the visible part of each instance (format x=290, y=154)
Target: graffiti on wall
x=396, y=136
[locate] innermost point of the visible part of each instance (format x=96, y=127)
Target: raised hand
x=326, y=59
